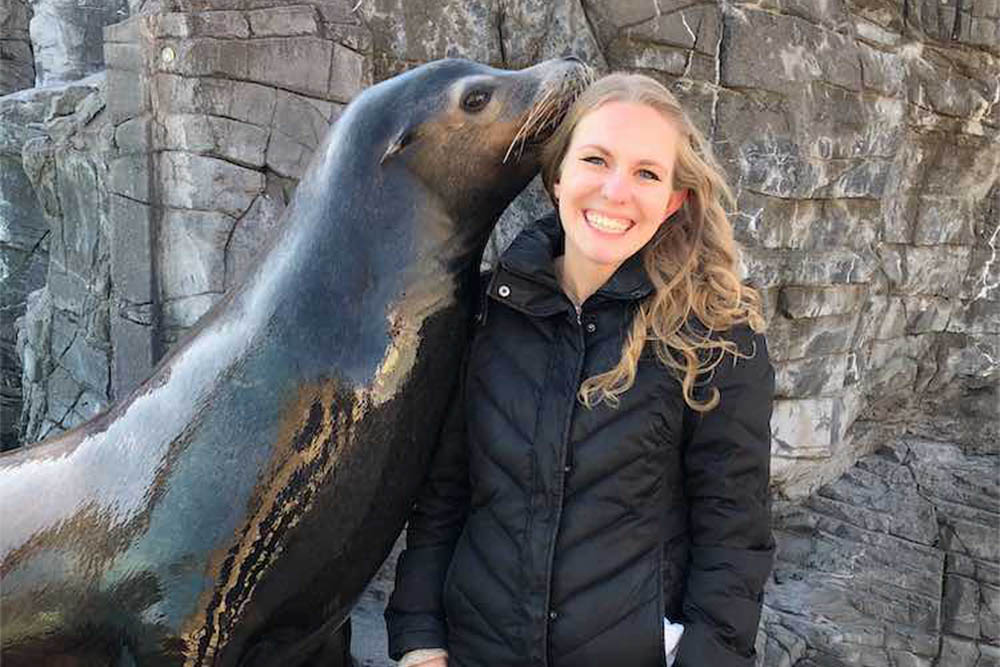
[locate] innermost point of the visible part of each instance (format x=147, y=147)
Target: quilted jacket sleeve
x=415, y=615
x=726, y=468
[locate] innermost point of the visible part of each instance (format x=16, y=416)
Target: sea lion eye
x=476, y=99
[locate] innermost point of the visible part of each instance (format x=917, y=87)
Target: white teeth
x=604, y=223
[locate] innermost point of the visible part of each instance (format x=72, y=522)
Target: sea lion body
x=244, y=494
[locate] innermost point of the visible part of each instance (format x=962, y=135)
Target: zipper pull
x=579, y=310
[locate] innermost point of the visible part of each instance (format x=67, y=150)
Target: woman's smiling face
x=614, y=186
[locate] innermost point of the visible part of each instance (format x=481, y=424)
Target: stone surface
x=230, y=140
x=66, y=37
x=813, y=225
x=192, y=252
x=772, y=52
x=214, y=24
x=804, y=428
x=798, y=338
x=299, y=124
x=253, y=233
x=24, y=250
x=131, y=308
x=800, y=302
x=767, y=268
x=284, y=21
x=182, y=313
x=930, y=270
x=17, y=65
x=404, y=32
x=870, y=568
x=239, y=100
x=811, y=376
x=51, y=233
x=205, y=183
x=33, y=337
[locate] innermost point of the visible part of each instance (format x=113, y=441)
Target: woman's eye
x=594, y=159
x=647, y=174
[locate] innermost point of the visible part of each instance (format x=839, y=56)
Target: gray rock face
x=66, y=37
x=45, y=239
x=63, y=337
x=17, y=66
x=895, y=563
x=23, y=251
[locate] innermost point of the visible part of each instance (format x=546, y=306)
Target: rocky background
x=147, y=150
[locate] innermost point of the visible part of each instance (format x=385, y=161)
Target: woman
x=601, y=487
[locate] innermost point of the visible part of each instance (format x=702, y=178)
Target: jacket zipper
x=566, y=462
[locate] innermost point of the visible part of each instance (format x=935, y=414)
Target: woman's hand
x=431, y=657
x=433, y=662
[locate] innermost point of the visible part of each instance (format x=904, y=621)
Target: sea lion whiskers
x=577, y=86
x=549, y=110
x=528, y=126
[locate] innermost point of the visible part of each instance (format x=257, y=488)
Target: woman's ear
x=555, y=189
x=677, y=199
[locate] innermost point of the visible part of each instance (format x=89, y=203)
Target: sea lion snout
x=562, y=80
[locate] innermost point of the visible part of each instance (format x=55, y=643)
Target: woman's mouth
x=605, y=223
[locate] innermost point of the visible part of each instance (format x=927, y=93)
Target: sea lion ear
x=397, y=144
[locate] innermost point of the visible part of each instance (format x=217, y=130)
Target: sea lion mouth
x=548, y=111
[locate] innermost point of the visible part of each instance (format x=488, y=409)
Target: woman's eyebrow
x=644, y=161
x=595, y=147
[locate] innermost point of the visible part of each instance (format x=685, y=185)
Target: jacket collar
x=526, y=269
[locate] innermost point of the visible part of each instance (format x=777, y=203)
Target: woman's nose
x=615, y=187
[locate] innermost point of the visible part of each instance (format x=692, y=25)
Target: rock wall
x=47, y=42
x=17, y=66
x=50, y=193
x=66, y=37
x=52, y=44
x=23, y=255
x=895, y=563
x=54, y=203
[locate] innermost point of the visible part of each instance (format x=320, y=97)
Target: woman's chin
x=601, y=257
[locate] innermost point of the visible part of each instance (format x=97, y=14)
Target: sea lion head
x=467, y=132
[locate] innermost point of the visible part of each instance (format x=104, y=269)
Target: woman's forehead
x=633, y=130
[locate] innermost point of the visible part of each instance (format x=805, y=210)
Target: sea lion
x=245, y=493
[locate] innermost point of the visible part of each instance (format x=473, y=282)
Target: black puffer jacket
x=552, y=534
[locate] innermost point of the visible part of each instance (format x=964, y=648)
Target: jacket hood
x=528, y=265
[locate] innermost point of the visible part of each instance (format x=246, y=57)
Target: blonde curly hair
x=692, y=262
